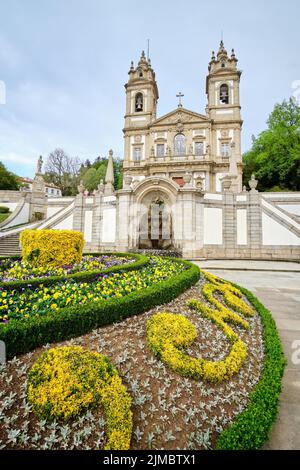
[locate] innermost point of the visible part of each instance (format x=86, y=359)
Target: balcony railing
x=171, y=158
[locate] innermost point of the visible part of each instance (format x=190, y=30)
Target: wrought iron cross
x=179, y=96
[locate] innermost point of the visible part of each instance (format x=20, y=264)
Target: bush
x=51, y=247
x=4, y=217
x=251, y=428
x=23, y=336
x=4, y=210
x=67, y=381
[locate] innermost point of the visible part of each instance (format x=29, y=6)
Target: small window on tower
x=137, y=154
x=224, y=94
x=138, y=102
x=160, y=150
x=199, y=149
x=225, y=149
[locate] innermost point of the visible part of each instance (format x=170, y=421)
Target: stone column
x=254, y=224
x=123, y=219
x=38, y=206
x=78, y=219
x=97, y=220
x=229, y=224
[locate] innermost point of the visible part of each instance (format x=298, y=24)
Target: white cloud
x=11, y=157
x=9, y=56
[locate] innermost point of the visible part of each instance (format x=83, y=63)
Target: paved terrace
x=277, y=285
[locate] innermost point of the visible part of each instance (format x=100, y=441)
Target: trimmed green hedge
x=251, y=428
x=23, y=336
x=84, y=276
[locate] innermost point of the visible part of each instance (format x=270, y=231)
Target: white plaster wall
x=88, y=225
x=213, y=196
x=10, y=205
x=241, y=226
x=51, y=210
x=109, y=225
x=66, y=224
x=275, y=234
x=213, y=230
x=21, y=218
x=283, y=216
x=277, y=195
x=291, y=208
x=109, y=198
x=199, y=132
x=224, y=111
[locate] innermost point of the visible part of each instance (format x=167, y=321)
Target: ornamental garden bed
x=17, y=274
x=200, y=367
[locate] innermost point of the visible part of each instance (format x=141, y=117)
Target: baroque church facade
x=182, y=184
x=183, y=141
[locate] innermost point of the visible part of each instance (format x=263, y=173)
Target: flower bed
x=169, y=335
x=38, y=302
x=65, y=382
x=38, y=316
x=18, y=270
x=89, y=269
x=169, y=411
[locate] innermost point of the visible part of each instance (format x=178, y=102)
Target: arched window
x=139, y=102
x=224, y=94
x=179, y=144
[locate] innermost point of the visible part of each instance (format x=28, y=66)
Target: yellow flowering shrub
x=66, y=381
x=51, y=247
x=170, y=334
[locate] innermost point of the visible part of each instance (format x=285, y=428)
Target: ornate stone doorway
x=155, y=231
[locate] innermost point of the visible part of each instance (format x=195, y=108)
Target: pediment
x=180, y=115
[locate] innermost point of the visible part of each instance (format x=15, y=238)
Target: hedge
x=4, y=210
x=23, y=336
x=51, y=247
x=251, y=428
x=84, y=276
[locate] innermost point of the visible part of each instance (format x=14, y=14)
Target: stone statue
x=39, y=164
x=81, y=187
x=253, y=183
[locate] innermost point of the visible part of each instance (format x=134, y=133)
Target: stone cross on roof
x=179, y=96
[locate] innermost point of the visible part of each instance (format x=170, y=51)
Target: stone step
x=10, y=245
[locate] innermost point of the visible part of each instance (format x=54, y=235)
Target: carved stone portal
x=155, y=227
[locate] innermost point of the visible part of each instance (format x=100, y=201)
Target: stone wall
x=248, y=225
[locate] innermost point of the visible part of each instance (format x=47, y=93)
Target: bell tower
x=223, y=86
x=224, y=111
x=141, y=94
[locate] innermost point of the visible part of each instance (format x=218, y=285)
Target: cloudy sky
x=64, y=64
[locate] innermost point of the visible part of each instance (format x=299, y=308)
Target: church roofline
x=201, y=117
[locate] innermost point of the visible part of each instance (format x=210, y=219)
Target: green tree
x=275, y=153
x=90, y=179
x=7, y=179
